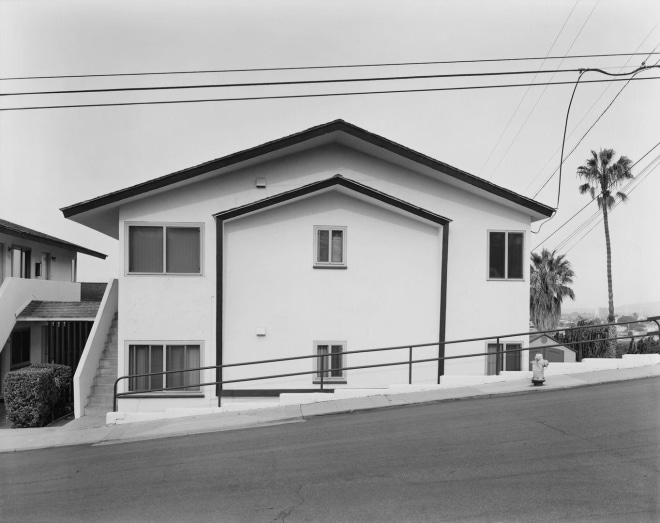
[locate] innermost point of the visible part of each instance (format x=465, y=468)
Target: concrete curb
x=79, y=432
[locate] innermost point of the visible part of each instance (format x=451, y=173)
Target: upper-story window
x=505, y=255
x=329, y=246
x=164, y=249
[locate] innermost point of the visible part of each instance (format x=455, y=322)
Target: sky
x=52, y=158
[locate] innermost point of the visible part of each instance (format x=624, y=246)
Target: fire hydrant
x=537, y=368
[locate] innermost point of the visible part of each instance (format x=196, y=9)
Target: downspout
x=219, y=263
x=443, y=301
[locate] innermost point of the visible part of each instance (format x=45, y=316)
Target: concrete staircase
x=99, y=402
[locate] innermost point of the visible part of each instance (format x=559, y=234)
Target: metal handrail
x=321, y=371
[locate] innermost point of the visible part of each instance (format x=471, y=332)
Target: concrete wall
x=183, y=307
x=83, y=379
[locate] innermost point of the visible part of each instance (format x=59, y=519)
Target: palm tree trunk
x=611, y=345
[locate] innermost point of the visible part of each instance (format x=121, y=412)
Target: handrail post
x=409, y=365
x=322, y=367
x=498, y=362
x=114, y=396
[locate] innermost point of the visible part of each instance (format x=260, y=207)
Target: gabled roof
x=338, y=130
x=19, y=231
x=337, y=181
x=59, y=310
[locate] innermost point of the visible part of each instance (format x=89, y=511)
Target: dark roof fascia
x=328, y=183
x=294, y=139
x=19, y=231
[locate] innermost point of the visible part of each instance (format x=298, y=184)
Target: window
x=505, y=255
x=164, y=249
x=510, y=360
x=330, y=361
x=145, y=359
x=20, y=348
x=329, y=247
x=20, y=262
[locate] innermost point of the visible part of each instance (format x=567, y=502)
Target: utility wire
x=531, y=112
x=596, y=102
x=290, y=82
x=595, y=216
x=588, y=203
x=314, y=67
x=524, y=96
x=319, y=95
x=615, y=205
x=562, y=158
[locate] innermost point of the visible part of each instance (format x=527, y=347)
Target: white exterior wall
x=388, y=295
x=183, y=307
x=60, y=266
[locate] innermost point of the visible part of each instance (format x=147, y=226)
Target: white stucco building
x=333, y=239
x=45, y=314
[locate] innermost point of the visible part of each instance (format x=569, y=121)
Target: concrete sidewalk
x=94, y=431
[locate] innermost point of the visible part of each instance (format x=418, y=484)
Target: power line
x=595, y=216
x=595, y=102
x=290, y=82
x=615, y=205
x=314, y=67
x=531, y=112
x=562, y=159
x=319, y=95
x=588, y=203
x=522, y=99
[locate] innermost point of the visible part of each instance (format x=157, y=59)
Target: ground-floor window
x=510, y=360
x=330, y=361
x=153, y=358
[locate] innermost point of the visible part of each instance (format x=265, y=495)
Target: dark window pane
x=496, y=255
x=322, y=362
x=139, y=364
x=515, y=255
x=336, y=361
x=157, y=366
x=183, y=252
x=145, y=249
x=513, y=358
x=337, y=246
x=175, y=361
x=20, y=347
x=491, y=360
x=322, y=252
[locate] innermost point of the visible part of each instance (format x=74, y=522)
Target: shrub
x=29, y=395
x=62, y=375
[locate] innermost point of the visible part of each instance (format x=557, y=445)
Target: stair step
x=107, y=371
x=103, y=389
x=99, y=400
x=109, y=363
x=97, y=411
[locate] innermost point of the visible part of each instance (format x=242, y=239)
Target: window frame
x=503, y=357
x=163, y=225
x=506, y=255
x=330, y=264
x=164, y=344
x=316, y=379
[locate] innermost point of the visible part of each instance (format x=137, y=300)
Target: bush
x=29, y=395
x=62, y=375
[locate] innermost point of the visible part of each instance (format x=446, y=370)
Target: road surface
x=586, y=454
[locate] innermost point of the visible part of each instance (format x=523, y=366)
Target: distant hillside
x=650, y=308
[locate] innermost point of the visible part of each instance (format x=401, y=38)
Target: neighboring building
x=45, y=315
x=549, y=348
x=327, y=240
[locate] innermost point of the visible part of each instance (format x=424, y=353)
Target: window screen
x=145, y=249
x=497, y=255
x=183, y=252
x=515, y=255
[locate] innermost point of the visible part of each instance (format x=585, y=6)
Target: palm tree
x=602, y=176
x=551, y=276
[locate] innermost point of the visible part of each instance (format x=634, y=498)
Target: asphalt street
x=586, y=454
